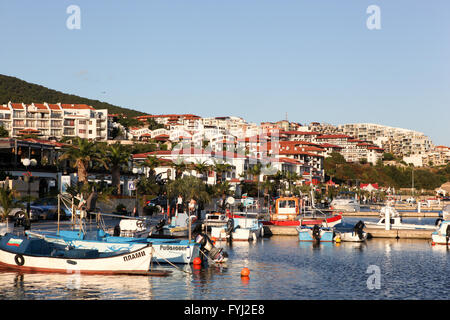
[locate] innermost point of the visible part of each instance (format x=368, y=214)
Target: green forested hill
x=16, y=90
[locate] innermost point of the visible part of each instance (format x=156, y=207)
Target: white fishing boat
x=356, y=235
x=442, y=234
x=345, y=205
x=446, y=212
x=179, y=227
x=215, y=219
x=391, y=219
x=239, y=227
x=37, y=255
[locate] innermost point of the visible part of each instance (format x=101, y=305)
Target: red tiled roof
x=294, y=132
x=40, y=106
x=329, y=145
x=17, y=106
x=76, y=106
x=3, y=107
x=333, y=136
x=54, y=107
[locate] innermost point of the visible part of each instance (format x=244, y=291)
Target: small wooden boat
x=37, y=255
x=442, y=234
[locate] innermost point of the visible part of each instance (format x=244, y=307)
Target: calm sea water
x=281, y=268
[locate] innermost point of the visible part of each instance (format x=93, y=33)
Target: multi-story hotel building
x=48, y=120
x=398, y=141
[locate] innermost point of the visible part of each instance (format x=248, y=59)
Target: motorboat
x=239, y=227
x=179, y=227
x=356, y=235
x=37, y=255
x=442, y=234
x=315, y=233
x=289, y=211
x=345, y=204
x=446, y=212
x=391, y=219
x=214, y=219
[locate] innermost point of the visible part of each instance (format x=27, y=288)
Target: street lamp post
x=28, y=162
x=137, y=171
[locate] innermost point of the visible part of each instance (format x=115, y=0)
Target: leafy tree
x=3, y=132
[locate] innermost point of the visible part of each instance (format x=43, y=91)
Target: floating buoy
x=197, y=261
x=433, y=243
x=245, y=272
x=338, y=240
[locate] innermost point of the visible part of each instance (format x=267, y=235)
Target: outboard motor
x=116, y=231
x=159, y=226
x=358, y=229
x=438, y=222
x=447, y=234
x=316, y=232
x=207, y=245
x=230, y=228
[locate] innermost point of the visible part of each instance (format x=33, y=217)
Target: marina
x=281, y=268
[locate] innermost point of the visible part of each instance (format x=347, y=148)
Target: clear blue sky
x=258, y=59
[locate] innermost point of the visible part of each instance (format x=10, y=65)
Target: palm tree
x=81, y=154
x=179, y=166
x=220, y=168
x=190, y=188
x=152, y=162
x=117, y=156
x=7, y=197
x=202, y=167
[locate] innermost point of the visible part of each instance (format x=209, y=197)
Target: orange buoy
x=197, y=261
x=245, y=272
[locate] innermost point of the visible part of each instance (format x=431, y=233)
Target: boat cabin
x=286, y=208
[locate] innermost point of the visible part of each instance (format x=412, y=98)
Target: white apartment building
x=54, y=120
x=398, y=141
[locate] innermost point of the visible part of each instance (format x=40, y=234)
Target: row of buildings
x=304, y=146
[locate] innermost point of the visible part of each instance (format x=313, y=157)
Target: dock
x=404, y=214
x=270, y=230
x=399, y=233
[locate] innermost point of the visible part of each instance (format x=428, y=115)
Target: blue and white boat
x=163, y=250
x=315, y=233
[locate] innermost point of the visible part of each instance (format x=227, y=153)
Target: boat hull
x=351, y=237
x=128, y=262
x=164, y=250
x=305, y=234
x=307, y=221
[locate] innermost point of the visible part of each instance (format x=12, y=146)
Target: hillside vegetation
x=16, y=90
x=386, y=176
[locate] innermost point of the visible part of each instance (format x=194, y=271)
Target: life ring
x=139, y=224
x=19, y=259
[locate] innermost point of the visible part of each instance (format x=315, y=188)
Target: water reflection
x=280, y=268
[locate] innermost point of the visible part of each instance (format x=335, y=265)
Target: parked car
x=49, y=207
x=19, y=212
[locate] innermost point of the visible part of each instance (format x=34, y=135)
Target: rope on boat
x=176, y=267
